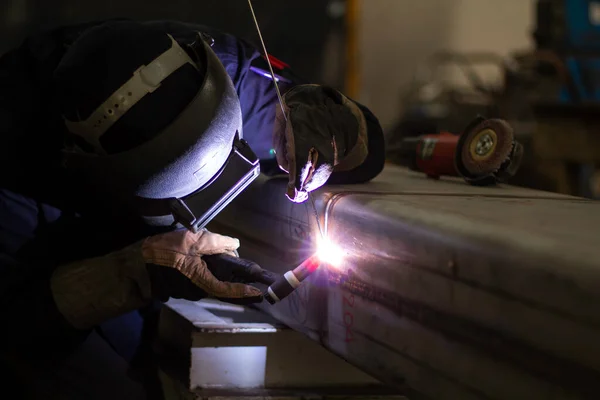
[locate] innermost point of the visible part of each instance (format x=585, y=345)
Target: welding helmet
x=156, y=124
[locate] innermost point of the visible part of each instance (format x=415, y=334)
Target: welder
x=119, y=141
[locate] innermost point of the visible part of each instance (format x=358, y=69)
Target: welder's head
x=155, y=124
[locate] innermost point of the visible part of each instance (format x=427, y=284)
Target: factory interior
x=409, y=209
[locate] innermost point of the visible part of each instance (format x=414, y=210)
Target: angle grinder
x=485, y=153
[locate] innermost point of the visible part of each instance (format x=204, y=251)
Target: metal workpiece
x=452, y=290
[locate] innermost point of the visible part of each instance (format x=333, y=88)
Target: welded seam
x=487, y=196
x=330, y=203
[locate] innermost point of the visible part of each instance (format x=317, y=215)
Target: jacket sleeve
x=32, y=243
x=258, y=99
x=28, y=135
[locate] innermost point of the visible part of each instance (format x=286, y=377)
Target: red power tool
x=484, y=154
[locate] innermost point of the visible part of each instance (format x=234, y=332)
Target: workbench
x=447, y=291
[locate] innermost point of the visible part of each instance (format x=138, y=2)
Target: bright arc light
x=329, y=253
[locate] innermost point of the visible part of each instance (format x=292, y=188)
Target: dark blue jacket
x=36, y=232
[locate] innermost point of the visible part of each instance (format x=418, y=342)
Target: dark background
x=294, y=31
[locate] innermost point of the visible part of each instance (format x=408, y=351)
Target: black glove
x=168, y=282
x=324, y=130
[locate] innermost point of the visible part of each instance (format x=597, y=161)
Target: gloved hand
x=324, y=131
x=174, y=264
x=177, y=270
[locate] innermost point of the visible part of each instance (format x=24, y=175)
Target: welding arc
x=485, y=147
x=262, y=42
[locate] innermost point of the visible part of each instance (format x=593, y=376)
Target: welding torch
x=327, y=253
x=291, y=280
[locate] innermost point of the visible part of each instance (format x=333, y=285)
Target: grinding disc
x=486, y=147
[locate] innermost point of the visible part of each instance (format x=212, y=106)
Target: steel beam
x=456, y=291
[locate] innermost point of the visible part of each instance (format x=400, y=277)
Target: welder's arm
x=178, y=264
x=315, y=116
x=58, y=308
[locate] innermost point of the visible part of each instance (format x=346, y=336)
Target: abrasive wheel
x=484, y=148
x=487, y=146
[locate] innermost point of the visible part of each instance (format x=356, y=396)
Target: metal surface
x=454, y=290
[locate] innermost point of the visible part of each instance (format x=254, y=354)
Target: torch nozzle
x=291, y=280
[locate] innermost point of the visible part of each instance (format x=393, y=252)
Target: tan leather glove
x=182, y=250
x=89, y=292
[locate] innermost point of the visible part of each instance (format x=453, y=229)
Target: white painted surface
x=229, y=351
x=229, y=367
